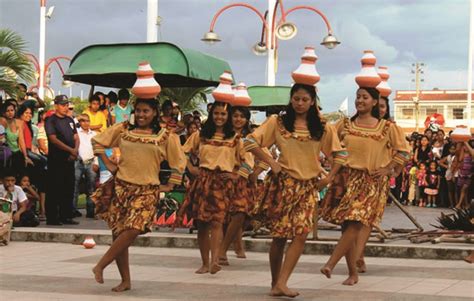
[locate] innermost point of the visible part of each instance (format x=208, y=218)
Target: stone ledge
x=180, y=240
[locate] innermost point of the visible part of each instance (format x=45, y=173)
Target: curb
x=175, y=240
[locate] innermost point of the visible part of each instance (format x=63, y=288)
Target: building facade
x=450, y=103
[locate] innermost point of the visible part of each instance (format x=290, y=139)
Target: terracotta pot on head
x=368, y=76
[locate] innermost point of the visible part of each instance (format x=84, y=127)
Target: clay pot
x=146, y=86
x=306, y=72
x=223, y=92
x=460, y=134
x=89, y=242
x=368, y=76
x=383, y=87
x=242, y=97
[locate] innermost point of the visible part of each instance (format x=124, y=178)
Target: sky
x=400, y=32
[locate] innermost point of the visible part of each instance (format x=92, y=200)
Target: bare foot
x=215, y=268
x=203, y=270
x=98, y=274
x=223, y=261
x=361, y=267
x=282, y=291
x=123, y=286
x=240, y=254
x=470, y=258
x=326, y=271
x=353, y=279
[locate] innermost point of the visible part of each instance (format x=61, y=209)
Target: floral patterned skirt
x=132, y=207
x=287, y=205
x=209, y=196
x=355, y=195
x=243, y=198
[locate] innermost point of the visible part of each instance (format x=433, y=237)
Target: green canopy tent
x=264, y=97
x=276, y=97
x=114, y=65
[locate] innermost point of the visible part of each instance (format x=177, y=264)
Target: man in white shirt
x=86, y=164
x=21, y=215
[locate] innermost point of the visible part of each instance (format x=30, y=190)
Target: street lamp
x=282, y=30
x=42, y=46
x=418, y=70
x=46, y=67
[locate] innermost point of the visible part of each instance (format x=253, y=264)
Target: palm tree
x=188, y=99
x=14, y=64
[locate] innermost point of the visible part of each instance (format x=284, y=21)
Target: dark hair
x=112, y=97
x=189, y=125
x=387, y=114
x=8, y=102
x=155, y=123
x=123, y=94
x=167, y=103
x=22, y=85
x=8, y=172
x=441, y=130
x=94, y=97
x=208, y=129
x=246, y=112
x=428, y=129
x=21, y=111
x=375, y=94
x=314, y=123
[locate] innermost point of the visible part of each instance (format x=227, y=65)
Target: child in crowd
x=22, y=216
x=421, y=181
x=432, y=181
x=413, y=185
x=30, y=192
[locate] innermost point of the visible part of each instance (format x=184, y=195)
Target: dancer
x=143, y=146
x=291, y=190
x=375, y=147
x=243, y=199
x=207, y=200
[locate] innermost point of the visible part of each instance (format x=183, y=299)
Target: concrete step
x=450, y=251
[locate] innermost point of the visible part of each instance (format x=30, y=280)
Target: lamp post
x=282, y=30
x=416, y=100
x=41, y=73
x=42, y=46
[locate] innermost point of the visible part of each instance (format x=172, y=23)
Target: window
x=407, y=113
x=431, y=111
x=458, y=113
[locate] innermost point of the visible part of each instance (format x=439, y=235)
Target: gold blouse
x=218, y=153
x=299, y=153
x=372, y=148
x=141, y=154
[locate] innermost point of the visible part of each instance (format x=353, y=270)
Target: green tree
x=14, y=63
x=188, y=99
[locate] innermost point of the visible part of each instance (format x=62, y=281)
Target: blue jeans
x=81, y=170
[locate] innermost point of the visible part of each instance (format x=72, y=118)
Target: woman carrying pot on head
x=143, y=146
x=376, y=148
x=291, y=189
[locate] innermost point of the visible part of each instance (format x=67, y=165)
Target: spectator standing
x=98, y=121
x=86, y=165
x=122, y=110
x=63, y=144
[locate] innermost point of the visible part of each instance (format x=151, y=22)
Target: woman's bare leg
x=295, y=249
x=236, y=223
x=204, y=246
x=216, y=240
x=346, y=241
x=277, y=250
x=123, y=241
x=124, y=270
x=239, y=247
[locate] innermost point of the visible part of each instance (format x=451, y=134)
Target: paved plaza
x=56, y=271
